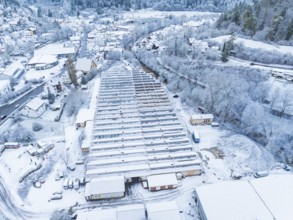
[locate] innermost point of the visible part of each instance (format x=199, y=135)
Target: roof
x=162, y=180
x=35, y=103
x=107, y=214
x=163, y=210
x=135, y=211
x=84, y=115
x=54, y=49
x=4, y=83
x=13, y=69
x=42, y=59
x=202, y=116
x=267, y=198
x=104, y=185
x=83, y=64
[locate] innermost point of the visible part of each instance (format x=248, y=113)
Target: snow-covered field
x=255, y=44
x=147, y=13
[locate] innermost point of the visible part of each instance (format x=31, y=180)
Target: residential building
x=85, y=65
x=34, y=108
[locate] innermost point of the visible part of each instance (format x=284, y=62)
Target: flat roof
x=35, y=103
x=202, y=116
x=163, y=210
x=106, y=214
x=267, y=198
x=84, y=115
x=42, y=60
x=162, y=180
x=104, y=185
x=54, y=49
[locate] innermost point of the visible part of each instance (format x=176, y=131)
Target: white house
x=105, y=188
x=85, y=65
x=34, y=108
x=201, y=119
x=42, y=62
x=162, y=181
x=4, y=87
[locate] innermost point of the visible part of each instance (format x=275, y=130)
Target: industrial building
x=269, y=198
x=201, y=119
x=136, y=131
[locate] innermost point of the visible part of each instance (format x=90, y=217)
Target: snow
x=106, y=214
x=54, y=49
x=147, y=13
x=256, y=44
x=85, y=115
x=83, y=64
x=162, y=180
x=277, y=193
x=104, y=185
x=202, y=116
x=163, y=210
x=4, y=85
x=43, y=59
x=232, y=200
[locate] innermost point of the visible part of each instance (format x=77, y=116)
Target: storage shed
x=83, y=116
x=11, y=145
x=201, y=119
x=162, y=181
x=105, y=188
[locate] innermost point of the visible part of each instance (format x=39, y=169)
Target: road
x=9, y=108
x=10, y=210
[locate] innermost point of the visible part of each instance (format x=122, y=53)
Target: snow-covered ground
x=148, y=13
x=255, y=44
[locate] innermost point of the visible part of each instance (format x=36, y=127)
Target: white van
x=70, y=184
x=65, y=183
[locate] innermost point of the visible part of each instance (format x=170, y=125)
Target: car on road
x=261, y=174
x=175, y=96
x=17, y=105
x=2, y=117
x=56, y=197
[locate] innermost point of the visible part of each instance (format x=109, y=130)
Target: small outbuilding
x=11, y=145
x=162, y=181
x=201, y=119
x=105, y=188
x=163, y=210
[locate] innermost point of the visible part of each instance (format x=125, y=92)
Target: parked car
x=71, y=167
x=287, y=168
x=60, y=174
x=82, y=181
x=3, y=117
x=65, y=183
x=42, y=180
x=57, y=193
x=261, y=174
x=175, y=96
x=237, y=176
x=56, y=197
x=70, y=184
x=76, y=184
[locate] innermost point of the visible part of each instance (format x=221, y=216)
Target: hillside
x=270, y=20
x=164, y=5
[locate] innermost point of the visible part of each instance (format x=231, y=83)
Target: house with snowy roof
x=85, y=65
x=34, y=108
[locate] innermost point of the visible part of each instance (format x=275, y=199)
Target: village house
x=34, y=108
x=85, y=65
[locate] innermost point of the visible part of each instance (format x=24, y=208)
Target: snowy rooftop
x=162, y=180
x=163, y=210
x=54, y=49
x=264, y=198
x=106, y=214
x=202, y=116
x=4, y=84
x=13, y=69
x=35, y=103
x=105, y=185
x=42, y=59
x=85, y=115
x=83, y=64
